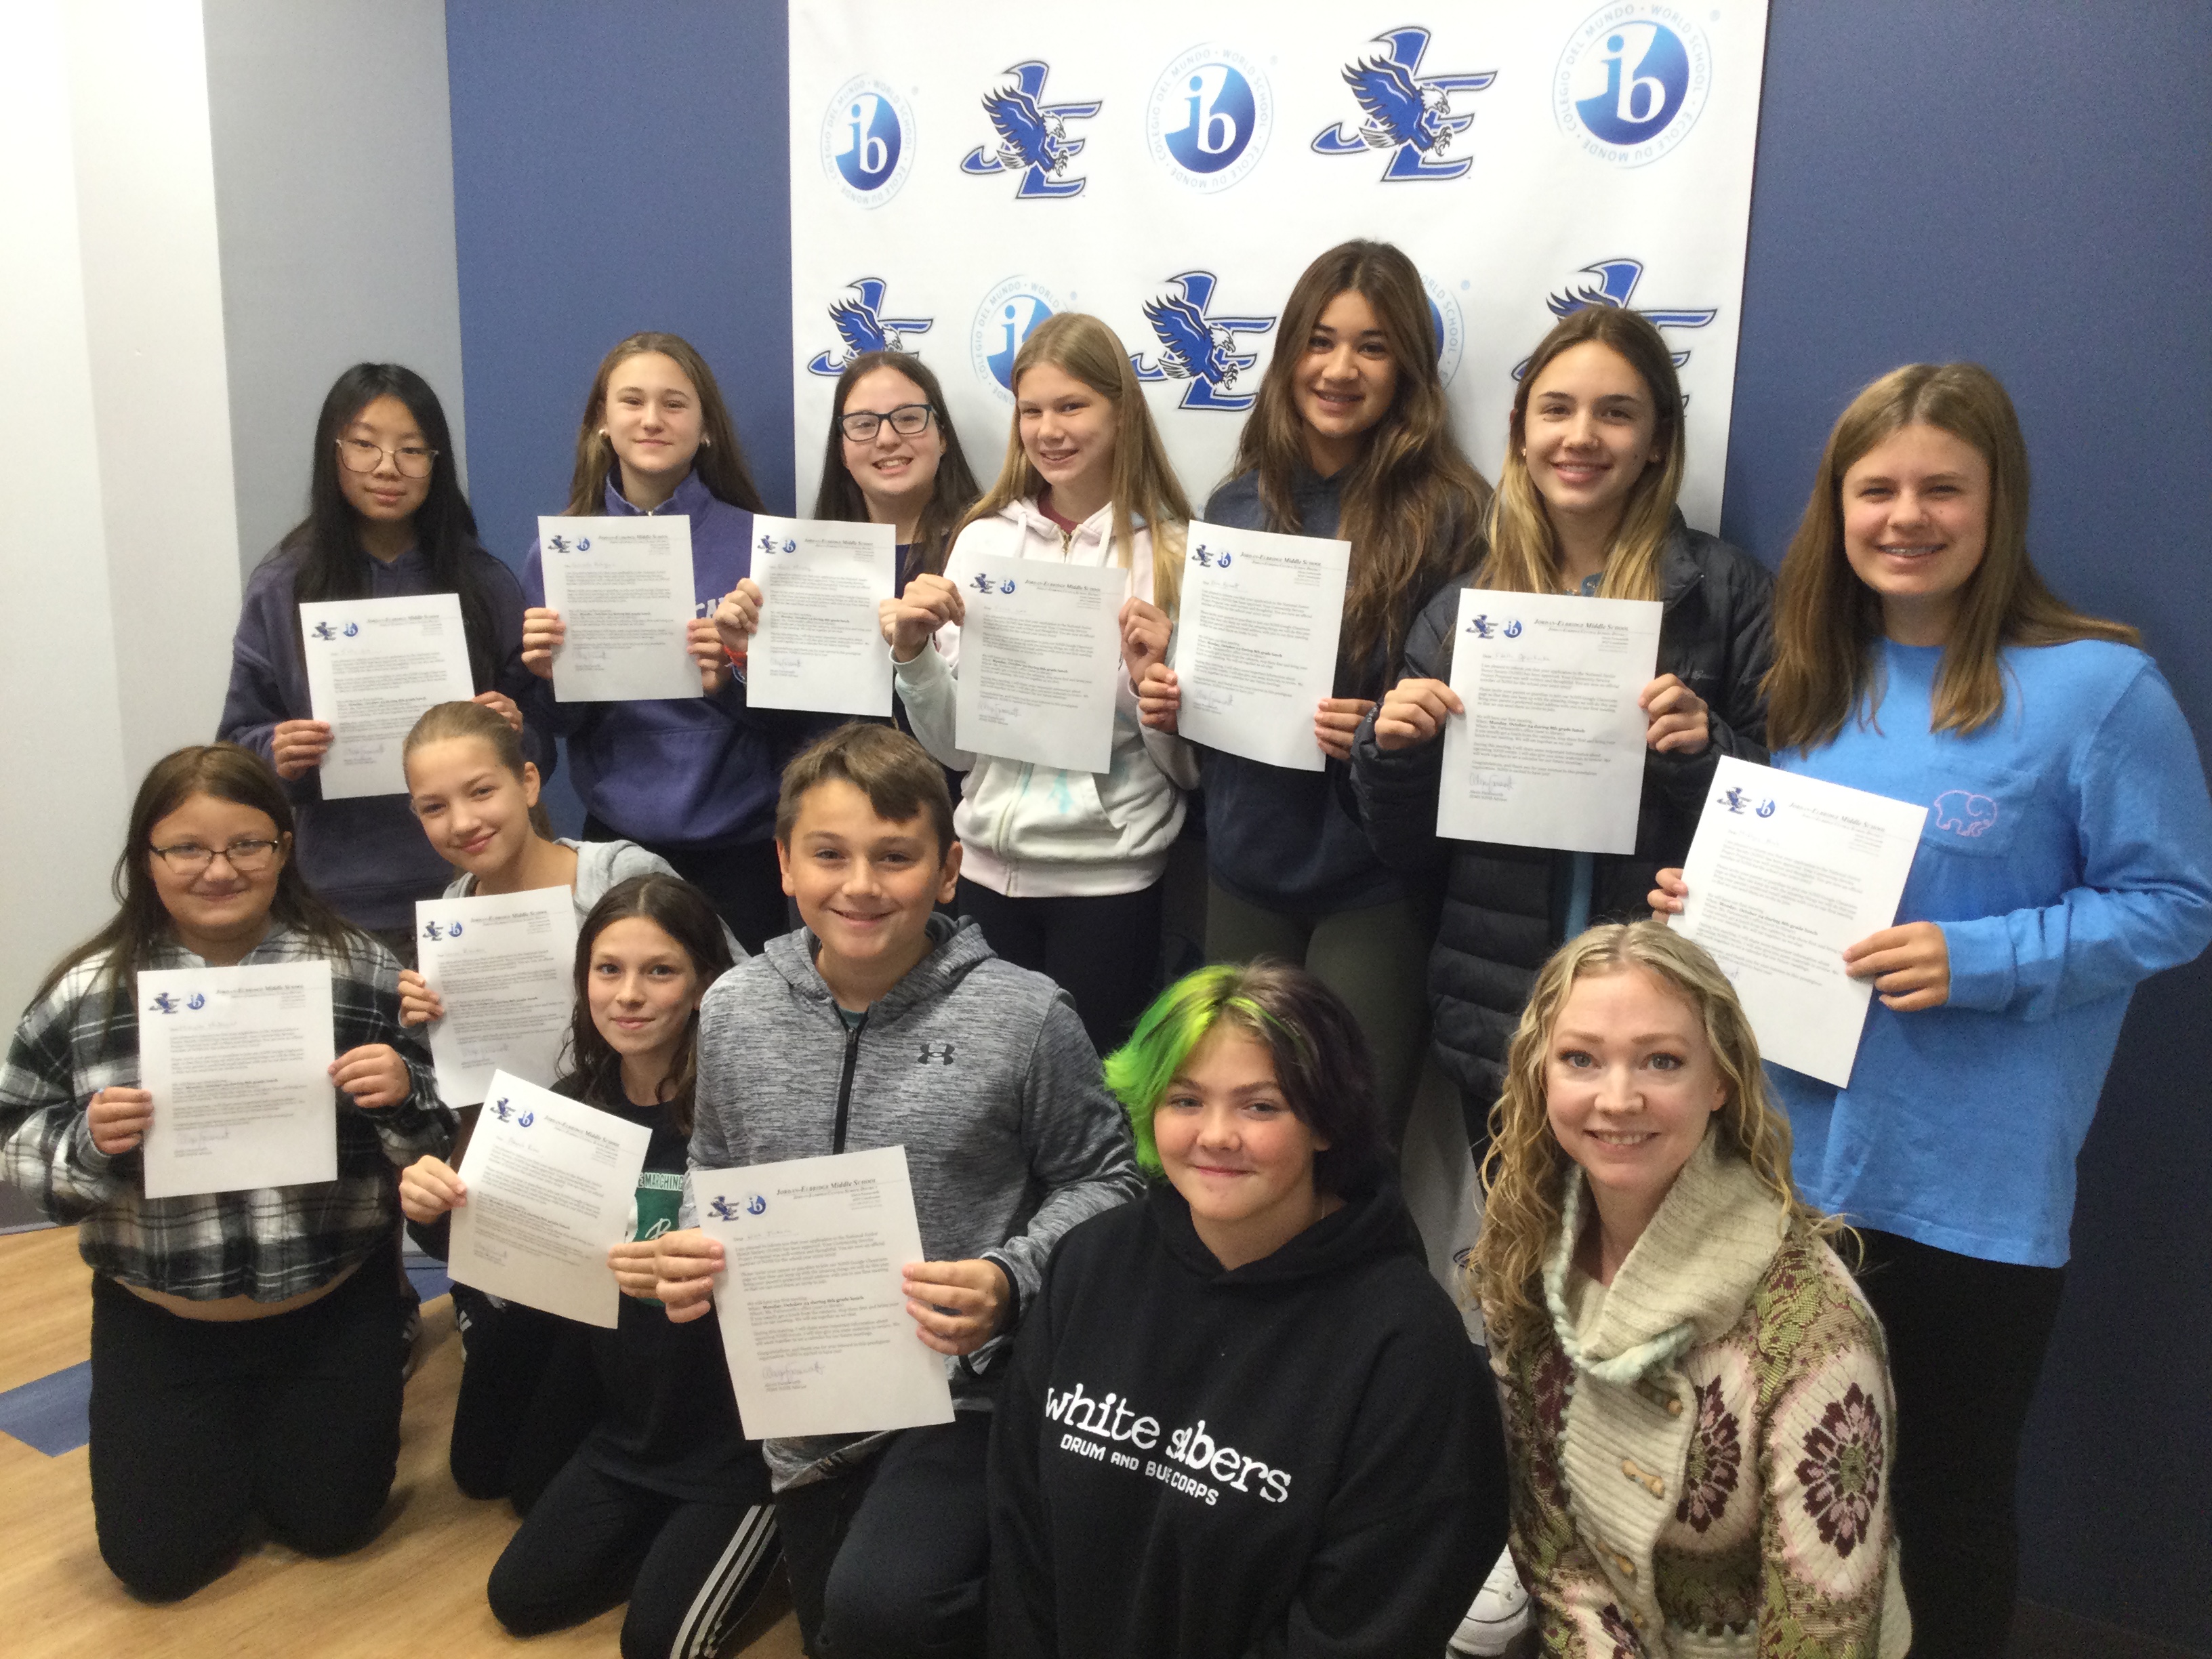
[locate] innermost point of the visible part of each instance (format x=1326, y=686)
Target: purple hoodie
x=689, y=772
x=365, y=857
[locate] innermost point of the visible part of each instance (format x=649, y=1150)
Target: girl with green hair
x=1248, y=1380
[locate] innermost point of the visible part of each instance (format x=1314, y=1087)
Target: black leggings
x=197, y=1426
x=1966, y=1340
x=1103, y=951
x=744, y=883
x=689, y=1571
x=889, y=1562
x=529, y=1395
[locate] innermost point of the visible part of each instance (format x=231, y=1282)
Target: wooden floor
x=418, y=1588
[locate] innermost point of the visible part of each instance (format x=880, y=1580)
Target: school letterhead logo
x=770, y=546
x=1482, y=626
x=1408, y=113
x=1739, y=802
x=867, y=141
x=1209, y=119
x=1632, y=81
x=1197, y=349
x=563, y=544
x=1033, y=138
x=722, y=1210
x=435, y=930
x=1612, y=284
x=1009, y=313
x=982, y=583
x=167, y=1002
x=862, y=325
x=503, y=1109
x=1208, y=559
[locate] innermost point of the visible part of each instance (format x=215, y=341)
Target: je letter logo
x=1006, y=317
x=867, y=141
x=1631, y=81
x=506, y=1112
x=167, y=1003
x=1209, y=119
x=1033, y=138
x=1614, y=286
x=1198, y=348
x=862, y=325
x=1202, y=555
x=1408, y=113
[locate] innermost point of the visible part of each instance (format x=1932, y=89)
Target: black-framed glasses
x=247, y=857
x=907, y=420
x=359, y=455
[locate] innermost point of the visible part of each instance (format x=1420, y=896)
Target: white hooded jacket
x=1034, y=831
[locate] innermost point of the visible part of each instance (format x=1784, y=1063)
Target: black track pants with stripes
x=689, y=1571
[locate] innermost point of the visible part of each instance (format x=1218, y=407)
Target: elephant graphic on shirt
x=1964, y=813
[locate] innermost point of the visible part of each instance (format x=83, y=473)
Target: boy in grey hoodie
x=882, y=1024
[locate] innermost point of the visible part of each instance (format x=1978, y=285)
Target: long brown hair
x=141, y=921
x=719, y=463
x=1524, y=1178
x=1413, y=503
x=683, y=912
x=1145, y=483
x=1524, y=550
x=1826, y=619
x=840, y=497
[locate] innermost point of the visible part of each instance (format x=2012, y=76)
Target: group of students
x=1208, y=1399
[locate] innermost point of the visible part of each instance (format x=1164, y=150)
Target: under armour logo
x=938, y=1050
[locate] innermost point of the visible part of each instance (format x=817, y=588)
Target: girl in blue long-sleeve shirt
x=2067, y=855
x=693, y=779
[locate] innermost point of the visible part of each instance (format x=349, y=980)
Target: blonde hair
x=1826, y=619
x=1145, y=483
x=1524, y=550
x=1524, y=1177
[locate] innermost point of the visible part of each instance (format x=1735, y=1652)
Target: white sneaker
x=1500, y=1613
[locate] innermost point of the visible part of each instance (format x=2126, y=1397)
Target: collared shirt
x=268, y=1243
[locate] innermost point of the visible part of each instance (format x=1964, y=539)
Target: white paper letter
x=1038, y=660
x=373, y=666
x=821, y=643
x=505, y=967
x=623, y=589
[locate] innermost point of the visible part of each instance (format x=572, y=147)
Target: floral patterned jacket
x=1701, y=1451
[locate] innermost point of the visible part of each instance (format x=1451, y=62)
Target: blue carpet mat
x=50, y=1415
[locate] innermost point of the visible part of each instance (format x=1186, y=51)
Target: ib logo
x=1209, y=119
x=982, y=583
x=1736, y=802
x=862, y=325
x=1615, y=285
x=769, y=545
x=1033, y=138
x=1408, y=113
x=1483, y=629
x=563, y=544
x=166, y=1002
x=867, y=141
x=438, y=930
x=1631, y=82
x=1201, y=554
x=1198, y=348
x=505, y=1112
x=1006, y=317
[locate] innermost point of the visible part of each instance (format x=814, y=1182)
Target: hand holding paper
x=620, y=592
x=821, y=587
x=1786, y=873
x=373, y=666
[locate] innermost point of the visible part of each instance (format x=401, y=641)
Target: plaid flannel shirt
x=268, y=1243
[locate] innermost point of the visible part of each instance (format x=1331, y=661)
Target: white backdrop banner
x=960, y=173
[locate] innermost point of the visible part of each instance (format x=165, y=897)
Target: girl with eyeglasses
x=893, y=458
x=387, y=519
x=692, y=779
x=245, y=1349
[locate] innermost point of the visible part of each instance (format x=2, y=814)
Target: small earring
x=705, y=443
x=603, y=435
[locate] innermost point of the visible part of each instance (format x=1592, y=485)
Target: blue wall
x=2027, y=186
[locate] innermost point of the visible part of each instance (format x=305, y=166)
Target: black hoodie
x=1300, y=1456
